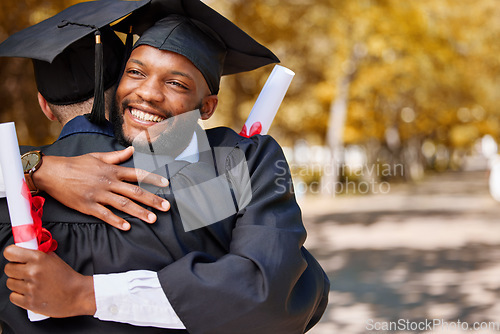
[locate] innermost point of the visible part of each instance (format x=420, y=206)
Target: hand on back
x=90, y=182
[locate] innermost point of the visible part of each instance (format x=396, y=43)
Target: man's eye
x=178, y=84
x=134, y=72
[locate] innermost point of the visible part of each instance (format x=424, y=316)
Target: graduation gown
x=247, y=273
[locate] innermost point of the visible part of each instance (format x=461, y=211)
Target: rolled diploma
x=270, y=98
x=2, y=185
x=13, y=176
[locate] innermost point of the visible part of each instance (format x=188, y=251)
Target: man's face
x=158, y=85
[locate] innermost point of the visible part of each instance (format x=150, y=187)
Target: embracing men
x=226, y=258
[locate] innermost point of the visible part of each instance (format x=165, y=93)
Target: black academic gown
x=247, y=273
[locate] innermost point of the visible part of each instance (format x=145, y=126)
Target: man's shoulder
x=223, y=137
x=26, y=148
x=82, y=143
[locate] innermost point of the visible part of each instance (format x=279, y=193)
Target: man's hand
x=45, y=284
x=89, y=182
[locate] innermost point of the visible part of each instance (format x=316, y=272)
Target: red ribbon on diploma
x=255, y=129
x=23, y=233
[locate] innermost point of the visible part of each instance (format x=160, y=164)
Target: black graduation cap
x=213, y=43
x=69, y=78
x=45, y=41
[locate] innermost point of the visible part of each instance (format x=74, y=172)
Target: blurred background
x=390, y=127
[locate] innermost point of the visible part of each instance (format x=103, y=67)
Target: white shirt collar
x=191, y=153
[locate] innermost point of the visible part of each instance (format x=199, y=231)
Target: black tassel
x=129, y=43
x=98, y=113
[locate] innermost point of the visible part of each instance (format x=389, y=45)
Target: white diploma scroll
x=13, y=177
x=268, y=102
x=2, y=185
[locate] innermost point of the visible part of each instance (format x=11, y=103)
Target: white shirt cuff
x=134, y=297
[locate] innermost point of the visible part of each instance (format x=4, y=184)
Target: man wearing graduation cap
x=247, y=273
x=70, y=84
x=66, y=88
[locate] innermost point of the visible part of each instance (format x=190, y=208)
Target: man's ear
x=208, y=106
x=44, y=105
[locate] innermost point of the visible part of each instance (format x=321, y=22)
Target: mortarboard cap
x=48, y=39
x=69, y=78
x=191, y=39
x=215, y=45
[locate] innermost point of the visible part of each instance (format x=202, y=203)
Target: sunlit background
x=390, y=127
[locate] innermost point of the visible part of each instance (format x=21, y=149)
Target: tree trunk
x=336, y=124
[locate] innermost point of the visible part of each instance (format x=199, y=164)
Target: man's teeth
x=143, y=116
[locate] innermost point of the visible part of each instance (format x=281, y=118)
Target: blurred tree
x=17, y=88
x=410, y=73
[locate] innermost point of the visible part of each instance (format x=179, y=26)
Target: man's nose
x=150, y=90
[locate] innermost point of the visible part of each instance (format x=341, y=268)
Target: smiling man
x=246, y=272
x=156, y=86
x=163, y=79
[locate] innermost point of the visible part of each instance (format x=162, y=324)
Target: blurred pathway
x=421, y=253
